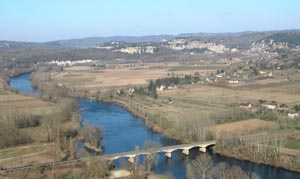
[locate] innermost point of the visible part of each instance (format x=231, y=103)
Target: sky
x=47, y=20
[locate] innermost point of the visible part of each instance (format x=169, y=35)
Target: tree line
x=256, y=149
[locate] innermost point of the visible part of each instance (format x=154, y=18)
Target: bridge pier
x=168, y=154
x=131, y=160
x=111, y=164
x=202, y=149
x=186, y=151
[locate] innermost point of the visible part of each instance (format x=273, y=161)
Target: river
x=123, y=131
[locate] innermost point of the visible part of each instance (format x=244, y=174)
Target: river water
x=123, y=131
x=23, y=85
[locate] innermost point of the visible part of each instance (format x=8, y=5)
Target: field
x=251, y=125
x=10, y=101
x=122, y=75
x=197, y=67
x=197, y=102
x=12, y=152
x=292, y=144
x=27, y=153
x=224, y=95
x=289, y=146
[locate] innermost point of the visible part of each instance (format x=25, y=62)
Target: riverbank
x=143, y=106
x=287, y=162
x=291, y=163
x=156, y=128
x=116, y=114
x=48, y=113
x=90, y=147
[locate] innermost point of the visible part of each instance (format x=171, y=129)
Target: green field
x=292, y=144
x=289, y=143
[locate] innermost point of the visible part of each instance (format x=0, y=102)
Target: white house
x=269, y=106
x=161, y=88
x=262, y=72
x=293, y=115
x=233, y=81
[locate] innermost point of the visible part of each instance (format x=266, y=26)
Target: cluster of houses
x=265, y=49
x=129, y=91
x=222, y=77
x=183, y=44
x=272, y=105
x=137, y=49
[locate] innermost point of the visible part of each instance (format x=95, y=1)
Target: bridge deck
x=154, y=150
x=249, y=138
x=113, y=156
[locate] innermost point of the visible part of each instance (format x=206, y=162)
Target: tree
x=220, y=171
x=151, y=158
x=224, y=171
x=136, y=168
x=54, y=152
x=152, y=89
x=121, y=92
x=97, y=95
x=92, y=135
x=53, y=126
x=255, y=71
x=200, y=168
x=66, y=108
x=96, y=169
x=297, y=107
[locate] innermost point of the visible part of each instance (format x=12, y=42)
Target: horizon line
x=149, y=35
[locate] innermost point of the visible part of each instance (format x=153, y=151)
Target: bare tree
x=53, y=126
x=96, y=169
x=151, y=158
x=200, y=168
x=194, y=127
x=136, y=168
x=92, y=135
x=55, y=154
x=236, y=172
x=220, y=171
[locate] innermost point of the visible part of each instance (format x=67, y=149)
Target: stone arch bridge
x=167, y=150
x=111, y=157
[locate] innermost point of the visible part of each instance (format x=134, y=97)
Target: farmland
x=122, y=75
x=28, y=144
x=200, y=103
x=9, y=101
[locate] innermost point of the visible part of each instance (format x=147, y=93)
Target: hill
x=239, y=39
x=92, y=41
x=290, y=37
x=12, y=45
